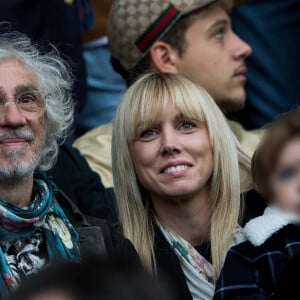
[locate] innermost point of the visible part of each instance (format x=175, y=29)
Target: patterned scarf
x=17, y=224
x=197, y=270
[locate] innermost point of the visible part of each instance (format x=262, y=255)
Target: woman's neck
x=17, y=192
x=187, y=217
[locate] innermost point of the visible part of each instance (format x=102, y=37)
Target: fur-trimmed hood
x=259, y=229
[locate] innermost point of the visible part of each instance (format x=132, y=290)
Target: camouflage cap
x=134, y=25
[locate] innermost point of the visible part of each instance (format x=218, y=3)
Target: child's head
x=276, y=163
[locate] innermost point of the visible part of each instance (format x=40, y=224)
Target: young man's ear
x=163, y=57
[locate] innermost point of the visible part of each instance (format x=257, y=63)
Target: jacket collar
x=259, y=229
x=75, y=216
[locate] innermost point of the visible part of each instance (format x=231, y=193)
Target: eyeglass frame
x=28, y=114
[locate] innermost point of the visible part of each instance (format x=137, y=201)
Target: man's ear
x=163, y=57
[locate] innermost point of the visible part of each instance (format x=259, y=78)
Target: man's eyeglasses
x=30, y=103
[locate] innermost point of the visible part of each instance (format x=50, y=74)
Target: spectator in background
x=39, y=224
x=51, y=21
x=93, y=279
x=104, y=85
x=272, y=29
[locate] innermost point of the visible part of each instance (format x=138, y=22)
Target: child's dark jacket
x=252, y=268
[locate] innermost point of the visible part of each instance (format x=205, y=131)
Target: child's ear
x=163, y=57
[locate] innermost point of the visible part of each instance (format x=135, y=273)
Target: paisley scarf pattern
x=197, y=270
x=18, y=224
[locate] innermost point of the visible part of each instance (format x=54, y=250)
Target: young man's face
x=215, y=58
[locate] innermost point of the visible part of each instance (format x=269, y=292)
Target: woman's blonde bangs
x=149, y=101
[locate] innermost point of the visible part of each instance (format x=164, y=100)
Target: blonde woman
x=176, y=178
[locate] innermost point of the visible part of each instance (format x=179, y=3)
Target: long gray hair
x=55, y=82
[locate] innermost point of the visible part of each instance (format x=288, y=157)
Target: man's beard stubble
x=18, y=169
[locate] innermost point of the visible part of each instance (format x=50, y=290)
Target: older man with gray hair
x=38, y=224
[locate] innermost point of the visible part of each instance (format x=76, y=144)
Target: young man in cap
x=193, y=38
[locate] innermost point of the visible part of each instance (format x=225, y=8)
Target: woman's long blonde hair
x=145, y=101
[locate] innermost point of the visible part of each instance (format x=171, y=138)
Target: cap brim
x=238, y=3
x=232, y=4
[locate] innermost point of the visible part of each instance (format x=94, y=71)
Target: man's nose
x=11, y=116
x=242, y=49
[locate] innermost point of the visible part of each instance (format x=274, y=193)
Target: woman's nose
x=170, y=142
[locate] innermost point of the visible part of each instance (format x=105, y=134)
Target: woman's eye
x=287, y=174
x=147, y=134
x=187, y=125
